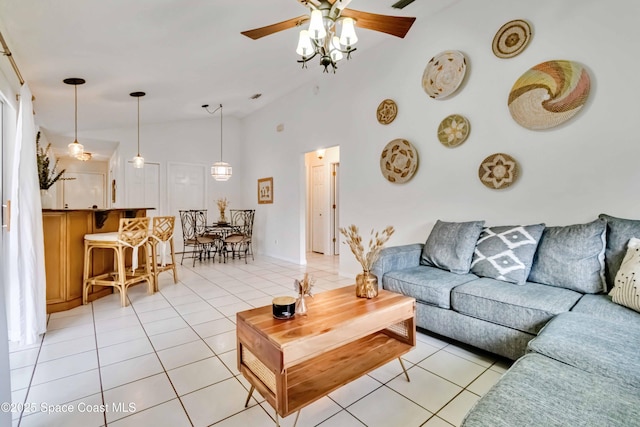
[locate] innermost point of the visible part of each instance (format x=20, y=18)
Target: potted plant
x=47, y=175
x=366, y=282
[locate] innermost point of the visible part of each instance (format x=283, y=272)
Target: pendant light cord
x=138, y=126
x=206, y=107
x=75, y=87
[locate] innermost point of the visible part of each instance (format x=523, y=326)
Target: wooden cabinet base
x=64, y=232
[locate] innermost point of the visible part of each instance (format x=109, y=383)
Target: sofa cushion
x=602, y=307
x=450, y=245
x=506, y=253
x=426, y=284
x=619, y=232
x=539, y=391
x=591, y=344
x=572, y=257
x=626, y=289
x=525, y=308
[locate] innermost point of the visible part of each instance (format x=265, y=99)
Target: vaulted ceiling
x=182, y=53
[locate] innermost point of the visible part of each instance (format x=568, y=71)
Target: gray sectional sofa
x=539, y=295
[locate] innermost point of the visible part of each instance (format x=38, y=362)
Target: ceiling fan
x=321, y=37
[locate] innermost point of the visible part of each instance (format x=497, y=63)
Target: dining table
x=220, y=231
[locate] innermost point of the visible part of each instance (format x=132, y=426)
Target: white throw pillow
x=626, y=289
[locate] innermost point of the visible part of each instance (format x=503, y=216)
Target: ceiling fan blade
x=395, y=25
x=257, y=33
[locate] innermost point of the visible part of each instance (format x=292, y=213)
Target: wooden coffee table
x=295, y=362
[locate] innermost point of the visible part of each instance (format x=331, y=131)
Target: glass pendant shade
x=305, y=48
x=138, y=162
x=76, y=149
x=348, y=35
x=336, y=55
x=316, y=25
x=221, y=171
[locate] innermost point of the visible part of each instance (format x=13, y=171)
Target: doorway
x=322, y=201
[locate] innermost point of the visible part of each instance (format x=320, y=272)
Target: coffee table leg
x=297, y=415
x=249, y=396
x=405, y=371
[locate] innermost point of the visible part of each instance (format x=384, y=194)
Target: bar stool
x=162, y=236
x=132, y=233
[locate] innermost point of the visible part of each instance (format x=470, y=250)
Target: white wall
x=196, y=141
x=569, y=174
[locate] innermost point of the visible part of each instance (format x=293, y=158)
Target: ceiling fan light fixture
x=348, y=35
x=305, y=47
x=316, y=25
x=336, y=53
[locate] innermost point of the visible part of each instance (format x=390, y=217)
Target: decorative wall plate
x=453, y=130
x=549, y=94
x=444, y=74
x=387, y=111
x=511, y=39
x=498, y=171
x=399, y=161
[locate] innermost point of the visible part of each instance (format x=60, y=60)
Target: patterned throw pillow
x=626, y=290
x=506, y=253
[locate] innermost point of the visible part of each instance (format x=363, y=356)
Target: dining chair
x=239, y=242
x=194, y=234
x=133, y=233
x=161, y=240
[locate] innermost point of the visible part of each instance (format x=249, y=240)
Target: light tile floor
x=169, y=359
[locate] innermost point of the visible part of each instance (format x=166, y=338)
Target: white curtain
x=26, y=297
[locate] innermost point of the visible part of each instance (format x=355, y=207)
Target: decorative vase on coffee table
x=366, y=285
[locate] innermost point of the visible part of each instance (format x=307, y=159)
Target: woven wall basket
x=399, y=161
x=387, y=111
x=511, y=39
x=549, y=94
x=498, y=171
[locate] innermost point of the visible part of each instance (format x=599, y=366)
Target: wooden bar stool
x=161, y=237
x=132, y=233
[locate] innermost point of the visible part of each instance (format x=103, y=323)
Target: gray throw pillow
x=506, y=253
x=572, y=257
x=450, y=245
x=619, y=232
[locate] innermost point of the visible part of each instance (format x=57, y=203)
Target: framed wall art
x=265, y=190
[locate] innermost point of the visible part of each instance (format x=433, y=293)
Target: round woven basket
x=444, y=73
x=511, y=39
x=498, y=171
x=399, y=161
x=549, y=94
x=387, y=111
x=453, y=130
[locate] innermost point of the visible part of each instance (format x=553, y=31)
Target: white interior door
x=85, y=191
x=143, y=188
x=186, y=189
x=318, y=206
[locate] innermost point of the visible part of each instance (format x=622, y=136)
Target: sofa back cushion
x=619, y=232
x=572, y=257
x=450, y=245
x=506, y=253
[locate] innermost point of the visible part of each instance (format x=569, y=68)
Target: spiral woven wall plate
x=399, y=161
x=444, y=74
x=453, y=130
x=549, y=94
x=387, y=111
x=498, y=171
x=511, y=39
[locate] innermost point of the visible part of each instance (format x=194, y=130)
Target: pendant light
x=138, y=161
x=220, y=171
x=75, y=148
